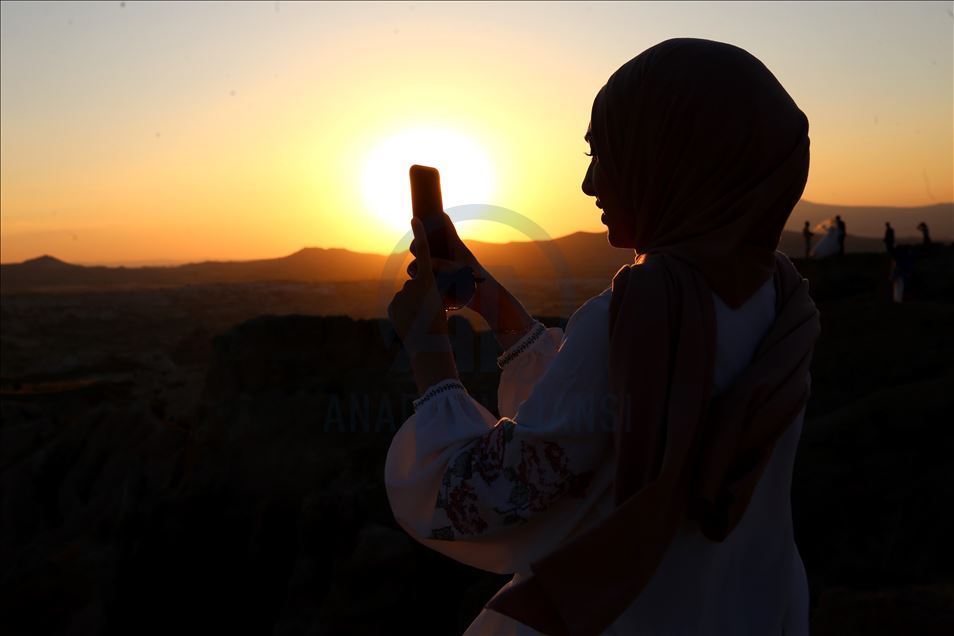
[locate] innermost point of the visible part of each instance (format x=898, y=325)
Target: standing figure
x=808, y=234
x=902, y=266
x=667, y=508
x=923, y=228
x=888, y=238
x=841, y=235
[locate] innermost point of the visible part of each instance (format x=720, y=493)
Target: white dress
x=498, y=495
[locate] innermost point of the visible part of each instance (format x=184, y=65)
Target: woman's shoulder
x=593, y=315
x=581, y=364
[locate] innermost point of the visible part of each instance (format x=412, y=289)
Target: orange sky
x=156, y=132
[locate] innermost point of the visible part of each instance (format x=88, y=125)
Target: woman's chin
x=615, y=241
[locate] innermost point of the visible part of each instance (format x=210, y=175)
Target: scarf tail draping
x=705, y=155
x=716, y=450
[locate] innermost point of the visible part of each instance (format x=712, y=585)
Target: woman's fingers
x=437, y=265
x=451, y=228
x=461, y=256
x=423, y=250
x=416, y=310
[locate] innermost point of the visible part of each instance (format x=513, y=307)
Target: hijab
x=708, y=154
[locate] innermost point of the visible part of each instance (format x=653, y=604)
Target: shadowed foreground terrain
x=173, y=462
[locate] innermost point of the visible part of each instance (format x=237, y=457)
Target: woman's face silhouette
x=595, y=184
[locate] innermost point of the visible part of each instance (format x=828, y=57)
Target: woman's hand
x=460, y=254
x=418, y=316
x=504, y=314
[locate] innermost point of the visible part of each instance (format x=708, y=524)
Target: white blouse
x=500, y=494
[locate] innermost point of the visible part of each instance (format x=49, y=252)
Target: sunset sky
x=147, y=132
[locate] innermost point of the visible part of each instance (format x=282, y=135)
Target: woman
x=638, y=480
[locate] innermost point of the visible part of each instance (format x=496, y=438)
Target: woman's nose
x=588, y=188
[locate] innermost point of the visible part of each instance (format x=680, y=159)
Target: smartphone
x=428, y=206
x=457, y=288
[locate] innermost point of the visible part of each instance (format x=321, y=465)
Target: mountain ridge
x=578, y=255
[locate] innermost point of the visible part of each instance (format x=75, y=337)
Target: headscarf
x=709, y=155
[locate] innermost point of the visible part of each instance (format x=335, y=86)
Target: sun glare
x=466, y=172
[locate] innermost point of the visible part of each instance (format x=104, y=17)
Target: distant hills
x=582, y=255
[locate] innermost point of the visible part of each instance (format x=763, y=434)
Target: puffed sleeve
x=523, y=364
x=500, y=494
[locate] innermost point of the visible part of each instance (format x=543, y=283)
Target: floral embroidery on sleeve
x=526, y=478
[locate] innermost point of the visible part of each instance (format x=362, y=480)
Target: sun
x=466, y=172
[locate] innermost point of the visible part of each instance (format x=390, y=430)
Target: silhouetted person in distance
x=902, y=266
x=808, y=234
x=888, y=238
x=841, y=235
x=923, y=228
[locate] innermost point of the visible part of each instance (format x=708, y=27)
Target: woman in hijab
x=638, y=479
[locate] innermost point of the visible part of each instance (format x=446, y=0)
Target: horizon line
x=161, y=262
x=170, y=264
